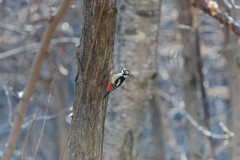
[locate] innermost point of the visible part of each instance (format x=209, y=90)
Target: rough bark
x=30, y=86
x=192, y=77
x=88, y=130
x=136, y=42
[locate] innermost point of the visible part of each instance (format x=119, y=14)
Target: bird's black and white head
x=125, y=72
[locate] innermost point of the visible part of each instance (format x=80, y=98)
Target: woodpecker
x=117, y=80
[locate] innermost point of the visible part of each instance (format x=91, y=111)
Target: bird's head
x=125, y=72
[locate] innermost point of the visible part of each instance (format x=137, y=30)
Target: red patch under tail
x=109, y=86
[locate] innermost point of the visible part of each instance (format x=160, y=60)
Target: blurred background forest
x=196, y=95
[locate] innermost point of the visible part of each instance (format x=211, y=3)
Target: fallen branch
x=29, y=88
x=212, y=9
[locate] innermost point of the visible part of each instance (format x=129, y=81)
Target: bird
x=116, y=81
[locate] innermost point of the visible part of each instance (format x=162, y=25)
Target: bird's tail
x=106, y=95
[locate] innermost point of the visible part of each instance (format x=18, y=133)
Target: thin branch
x=34, y=121
x=84, y=79
x=227, y=4
x=44, y=122
x=202, y=129
x=33, y=46
x=187, y=27
x=177, y=108
x=234, y=4
x=12, y=27
x=225, y=129
x=29, y=88
x=222, y=147
x=9, y=105
x=212, y=9
x=24, y=125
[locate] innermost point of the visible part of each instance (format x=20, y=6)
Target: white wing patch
x=118, y=83
x=114, y=78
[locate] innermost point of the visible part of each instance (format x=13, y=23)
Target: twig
x=34, y=121
x=225, y=129
x=212, y=9
x=187, y=27
x=29, y=88
x=44, y=122
x=227, y=4
x=84, y=79
x=220, y=148
x=34, y=46
x=9, y=105
x=34, y=129
x=180, y=109
x=12, y=27
x=43, y=117
x=202, y=129
x=234, y=4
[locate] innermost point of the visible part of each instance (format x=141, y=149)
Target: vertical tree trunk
x=136, y=42
x=88, y=130
x=191, y=79
x=157, y=122
x=190, y=74
x=231, y=51
x=158, y=133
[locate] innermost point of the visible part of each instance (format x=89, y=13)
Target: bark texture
x=88, y=130
x=136, y=42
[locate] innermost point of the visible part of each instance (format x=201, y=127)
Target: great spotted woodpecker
x=117, y=80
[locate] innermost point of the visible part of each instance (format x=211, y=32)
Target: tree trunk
x=157, y=122
x=191, y=79
x=88, y=130
x=231, y=51
x=136, y=42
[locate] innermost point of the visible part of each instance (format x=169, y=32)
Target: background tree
x=190, y=41
x=135, y=50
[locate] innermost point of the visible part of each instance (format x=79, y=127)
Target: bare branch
x=225, y=129
x=44, y=117
x=187, y=27
x=227, y=4
x=33, y=46
x=44, y=122
x=179, y=108
x=9, y=105
x=34, y=120
x=202, y=129
x=212, y=9
x=29, y=88
x=234, y=4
